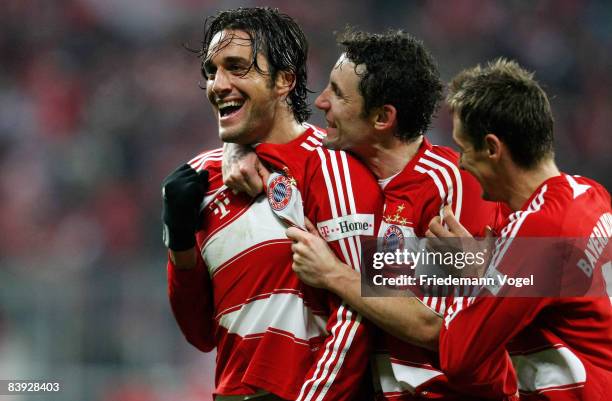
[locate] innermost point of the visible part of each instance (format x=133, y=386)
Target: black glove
x=182, y=192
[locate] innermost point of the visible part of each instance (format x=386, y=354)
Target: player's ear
x=384, y=117
x=284, y=83
x=493, y=146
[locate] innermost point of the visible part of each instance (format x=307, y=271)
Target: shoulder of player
x=313, y=138
x=572, y=201
x=308, y=142
x=337, y=178
x=568, y=195
x=210, y=160
x=337, y=163
x=542, y=216
x=207, y=159
x=445, y=152
x=441, y=162
x=294, y=155
x=597, y=187
x=439, y=173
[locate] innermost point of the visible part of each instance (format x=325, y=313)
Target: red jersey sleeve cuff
x=185, y=278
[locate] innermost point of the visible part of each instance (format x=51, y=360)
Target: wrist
x=178, y=239
x=184, y=260
x=343, y=277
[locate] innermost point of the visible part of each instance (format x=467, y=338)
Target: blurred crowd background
x=99, y=101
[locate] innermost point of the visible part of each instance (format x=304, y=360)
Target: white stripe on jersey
x=399, y=378
x=352, y=207
x=211, y=197
x=346, y=321
x=316, y=131
x=548, y=369
x=331, y=194
x=261, y=224
x=459, y=303
x=447, y=179
x=197, y=163
x=355, y=260
x=281, y=311
x=315, y=377
x=436, y=181
x=314, y=141
x=307, y=146
x=458, y=181
x=340, y=361
x=434, y=303
x=339, y=185
x=503, y=243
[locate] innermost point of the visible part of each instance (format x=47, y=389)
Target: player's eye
x=336, y=91
x=237, y=69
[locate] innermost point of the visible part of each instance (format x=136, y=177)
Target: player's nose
x=221, y=84
x=322, y=102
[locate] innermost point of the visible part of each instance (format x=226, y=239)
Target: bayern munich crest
x=279, y=192
x=393, y=238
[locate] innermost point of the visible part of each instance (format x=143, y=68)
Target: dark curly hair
x=399, y=71
x=276, y=36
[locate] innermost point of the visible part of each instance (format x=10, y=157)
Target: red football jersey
x=548, y=348
x=271, y=331
x=430, y=181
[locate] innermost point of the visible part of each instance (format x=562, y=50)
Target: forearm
x=403, y=317
x=190, y=298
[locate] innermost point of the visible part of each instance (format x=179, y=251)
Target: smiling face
x=244, y=100
x=343, y=105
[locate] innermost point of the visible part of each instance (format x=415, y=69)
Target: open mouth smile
x=229, y=108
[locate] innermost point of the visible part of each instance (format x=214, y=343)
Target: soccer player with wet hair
x=230, y=280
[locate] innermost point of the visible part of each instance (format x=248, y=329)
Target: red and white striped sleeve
x=345, y=202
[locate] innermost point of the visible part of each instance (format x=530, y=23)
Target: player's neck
x=388, y=158
x=525, y=182
x=284, y=128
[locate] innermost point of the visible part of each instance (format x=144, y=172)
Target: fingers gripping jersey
x=413, y=197
x=271, y=331
x=558, y=348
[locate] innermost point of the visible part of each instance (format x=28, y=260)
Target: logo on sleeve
x=346, y=226
x=279, y=192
